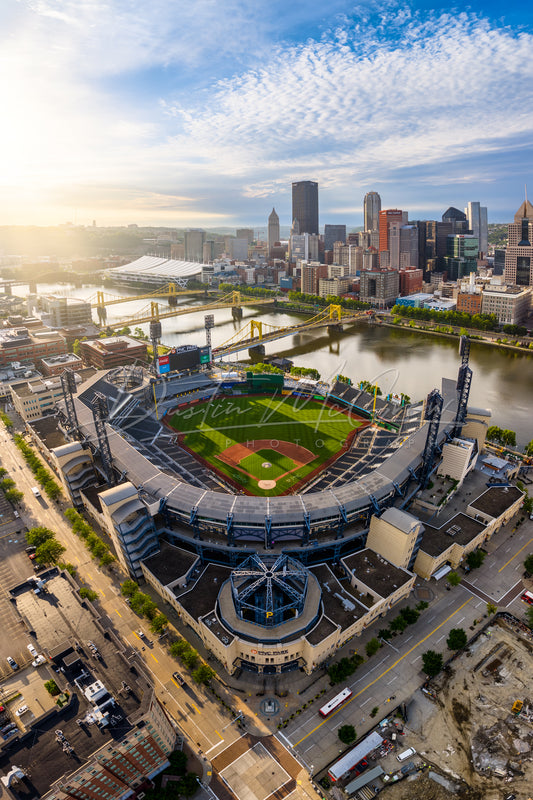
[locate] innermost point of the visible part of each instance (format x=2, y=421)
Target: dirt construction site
x=470, y=729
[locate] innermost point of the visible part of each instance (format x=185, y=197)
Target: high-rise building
x=388, y=217
x=305, y=205
x=371, y=209
x=519, y=252
x=245, y=233
x=457, y=219
x=273, y=231
x=332, y=234
x=478, y=225
x=304, y=247
x=461, y=255
x=194, y=244
x=379, y=287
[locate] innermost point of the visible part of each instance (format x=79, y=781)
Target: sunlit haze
x=203, y=113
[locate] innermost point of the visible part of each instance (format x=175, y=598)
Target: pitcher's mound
x=266, y=485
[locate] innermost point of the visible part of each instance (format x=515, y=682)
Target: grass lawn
x=280, y=464
x=212, y=427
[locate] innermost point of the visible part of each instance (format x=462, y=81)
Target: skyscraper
x=273, y=230
x=305, y=206
x=194, y=244
x=477, y=222
x=332, y=234
x=519, y=252
x=372, y=207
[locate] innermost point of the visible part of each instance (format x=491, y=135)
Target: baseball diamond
x=303, y=434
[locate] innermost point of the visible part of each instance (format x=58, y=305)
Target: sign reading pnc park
x=270, y=652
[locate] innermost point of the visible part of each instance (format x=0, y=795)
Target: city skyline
x=157, y=114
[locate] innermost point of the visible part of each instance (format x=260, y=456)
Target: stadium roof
x=154, y=267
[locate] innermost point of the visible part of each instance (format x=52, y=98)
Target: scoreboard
x=179, y=359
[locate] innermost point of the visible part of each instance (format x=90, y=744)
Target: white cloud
x=380, y=95
x=359, y=103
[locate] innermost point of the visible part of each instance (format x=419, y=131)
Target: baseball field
x=266, y=445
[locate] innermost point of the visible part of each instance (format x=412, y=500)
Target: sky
x=202, y=112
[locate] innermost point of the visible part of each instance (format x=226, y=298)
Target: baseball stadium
x=247, y=499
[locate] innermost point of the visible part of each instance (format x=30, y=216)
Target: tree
x=508, y=438
x=491, y=609
x=457, y=639
x=453, y=578
x=158, y=624
x=76, y=347
x=409, y=615
x=14, y=495
x=128, y=588
x=49, y=552
x=529, y=448
x=347, y=734
x=344, y=379
x=529, y=615
x=51, y=687
x=494, y=433
x=432, y=662
x=371, y=648
x=475, y=559
x=528, y=563
x=39, y=535
x=203, y=674
x=87, y=594
x=52, y=489
x=398, y=624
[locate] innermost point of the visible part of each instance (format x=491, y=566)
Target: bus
x=527, y=597
x=337, y=701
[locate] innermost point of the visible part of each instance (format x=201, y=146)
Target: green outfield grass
x=210, y=428
x=280, y=464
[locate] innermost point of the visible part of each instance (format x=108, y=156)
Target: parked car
x=178, y=678
x=12, y=663
x=30, y=549
x=20, y=711
x=39, y=660
x=32, y=650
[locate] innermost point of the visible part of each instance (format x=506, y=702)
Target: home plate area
x=256, y=773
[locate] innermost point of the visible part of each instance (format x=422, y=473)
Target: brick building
x=113, y=352
x=18, y=344
x=469, y=302
x=410, y=281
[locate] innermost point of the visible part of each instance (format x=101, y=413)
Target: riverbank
x=474, y=334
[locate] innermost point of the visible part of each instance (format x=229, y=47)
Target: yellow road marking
x=218, y=734
x=155, y=659
x=195, y=707
x=354, y=696
x=515, y=555
x=118, y=612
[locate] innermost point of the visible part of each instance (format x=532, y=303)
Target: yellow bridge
x=155, y=311
x=169, y=291
x=257, y=332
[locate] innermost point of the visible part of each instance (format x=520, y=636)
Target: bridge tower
x=155, y=336
x=433, y=414
x=236, y=309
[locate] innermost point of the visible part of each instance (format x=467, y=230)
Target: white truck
x=35, y=490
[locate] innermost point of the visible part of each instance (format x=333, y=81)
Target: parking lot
x=15, y=566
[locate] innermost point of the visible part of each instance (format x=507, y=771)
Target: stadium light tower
x=155, y=336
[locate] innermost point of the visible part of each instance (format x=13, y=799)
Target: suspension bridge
x=170, y=291
x=156, y=311
x=256, y=333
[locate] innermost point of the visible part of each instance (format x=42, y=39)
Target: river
x=398, y=360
